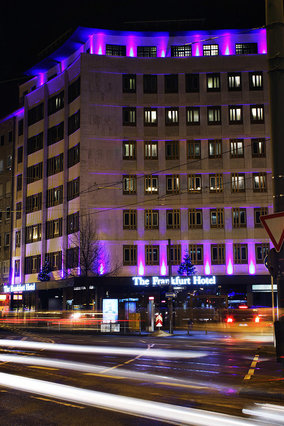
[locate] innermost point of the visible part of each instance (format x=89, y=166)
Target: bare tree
x=92, y=259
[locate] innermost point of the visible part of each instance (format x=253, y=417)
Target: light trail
x=119, y=373
x=271, y=414
x=123, y=404
x=149, y=352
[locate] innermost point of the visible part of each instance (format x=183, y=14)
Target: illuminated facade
x=159, y=136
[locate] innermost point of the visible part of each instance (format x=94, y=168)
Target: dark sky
x=26, y=28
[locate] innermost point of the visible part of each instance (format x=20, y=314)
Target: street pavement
x=222, y=373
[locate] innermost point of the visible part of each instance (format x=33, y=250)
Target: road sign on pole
x=274, y=226
x=159, y=320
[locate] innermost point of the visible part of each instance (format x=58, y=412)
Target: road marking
x=104, y=375
x=181, y=385
x=58, y=402
x=42, y=368
x=252, y=368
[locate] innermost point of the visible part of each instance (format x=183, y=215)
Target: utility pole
x=275, y=53
x=170, y=289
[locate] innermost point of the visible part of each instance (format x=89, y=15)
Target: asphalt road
x=207, y=372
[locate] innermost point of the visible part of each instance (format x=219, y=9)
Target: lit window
x=210, y=50
x=237, y=182
x=129, y=116
x=194, y=183
x=214, y=115
x=129, y=150
x=151, y=150
x=151, y=184
x=150, y=117
x=115, y=50
x=129, y=83
x=257, y=114
x=236, y=148
x=256, y=80
x=129, y=184
x=172, y=184
x=216, y=182
x=147, y=51
x=215, y=148
x=258, y=147
x=213, y=82
x=235, y=114
x=259, y=182
x=192, y=116
x=239, y=218
x=184, y=50
x=246, y=48
x=234, y=81
x=217, y=218
x=172, y=116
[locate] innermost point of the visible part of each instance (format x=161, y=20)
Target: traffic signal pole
x=275, y=53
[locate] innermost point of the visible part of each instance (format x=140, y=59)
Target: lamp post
x=170, y=289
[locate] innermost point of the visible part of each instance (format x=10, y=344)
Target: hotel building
x=158, y=136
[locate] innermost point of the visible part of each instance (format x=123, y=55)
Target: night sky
x=28, y=28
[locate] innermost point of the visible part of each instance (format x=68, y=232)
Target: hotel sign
x=19, y=287
x=160, y=281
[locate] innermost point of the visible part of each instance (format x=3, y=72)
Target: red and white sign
x=274, y=226
x=159, y=320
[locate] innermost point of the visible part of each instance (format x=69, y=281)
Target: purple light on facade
x=41, y=78
x=207, y=268
x=131, y=47
x=262, y=41
x=163, y=269
x=91, y=44
x=141, y=268
x=98, y=44
x=101, y=269
x=230, y=267
x=252, y=268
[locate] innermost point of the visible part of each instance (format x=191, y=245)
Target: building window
x=240, y=253
x=73, y=189
x=235, y=114
x=246, y=48
x=54, y=196
x=216, y=182
x=172, y=118
x=236, y=148
x=218, y=254
x=151, y=150
x=33, y=233
x=151, y=184
x=150, y=116
x=54, y=228
x=239, y=218
x=72, y=257
x=210, y=50
x=192, y=83
x=215, y=148
x=55, y=134
x=129, y=184
x=171, y=83
x=173, y=219
x=193, y=150
x=195, y=220
x=129, y=83
x=20, y=155
x=129, y=219
x=147, y=51
x=238, y=182
x=214, y=115
x=172, y=184
x=20, y=127
x=55, y=103
x=151, y=219
x=152, y=255
x=73, y=155
x=55, y=260
x=194, y=183
x=73, y=223
x=258, y=212
x=213, y=82
x=261, y=251
x=217, y=218
x=19, y=184
x=257, y=114
x=55, y=165
x=195, y=252
x=35, y=114
x=34, y=173
x=17, y=268
x=181, y=51
x=17, y=239
x=35, y=143
x=234, y=81
x=150, y=83
x=129, y=255
x=33, y=203
x=256, y=80
x=129, y=116
x=8, y=213
x=115, y=50
x=73, y=122
x=192, y=116
x=7, y=239
x=74, y=90
x=174, y=257
x=258, y=147
x=32, y=264
x=259, y=182
x=172, y=150
x=19, y=210
x=129, y=150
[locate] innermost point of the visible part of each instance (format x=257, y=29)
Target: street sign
x=274, y=226
x=159, y=320
x=170, y=295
